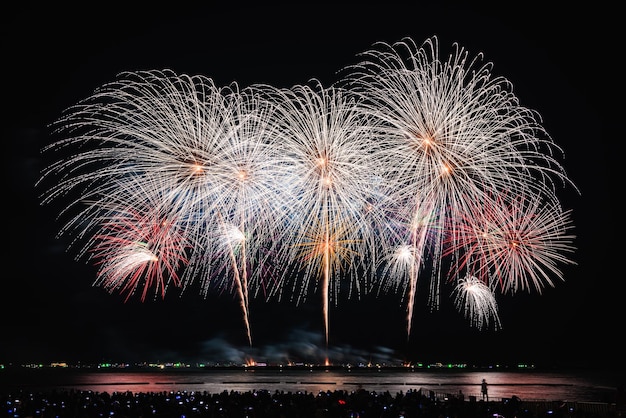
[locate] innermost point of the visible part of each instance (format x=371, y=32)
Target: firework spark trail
x=400, y=267
x=332, y=162
x=454, y=135
x=234, y=238
x=477, y=301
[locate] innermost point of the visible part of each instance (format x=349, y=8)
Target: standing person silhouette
x=483, y=390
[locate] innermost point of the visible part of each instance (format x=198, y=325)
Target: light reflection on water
x=529, y=385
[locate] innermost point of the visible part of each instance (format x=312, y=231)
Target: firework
x=138, y=246
x=411, y=163
x=512, y=246
x=477, y=302
x=452, y=135
x=201, y=147
x=331, y=160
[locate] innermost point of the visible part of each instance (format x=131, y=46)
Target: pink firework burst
x=139, y=252
x=513, y=245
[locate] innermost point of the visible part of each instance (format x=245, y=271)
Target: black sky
x=563, y=63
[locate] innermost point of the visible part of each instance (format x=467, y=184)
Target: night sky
x=563, y=63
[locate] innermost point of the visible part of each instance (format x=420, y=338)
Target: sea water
x=578, y=386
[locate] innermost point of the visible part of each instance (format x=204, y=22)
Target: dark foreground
x=260, y=404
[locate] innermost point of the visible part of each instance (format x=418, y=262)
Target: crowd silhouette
x=267, y=404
